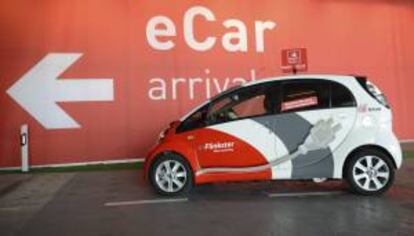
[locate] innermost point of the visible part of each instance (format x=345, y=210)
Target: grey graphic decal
x=292, y=129
x=310, y=154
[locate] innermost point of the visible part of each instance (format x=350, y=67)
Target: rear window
x=312, y=94
x=305, y=95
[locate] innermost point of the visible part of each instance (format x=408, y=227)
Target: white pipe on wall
x=24, y=144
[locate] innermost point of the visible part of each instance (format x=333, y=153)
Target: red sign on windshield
x=300, y=103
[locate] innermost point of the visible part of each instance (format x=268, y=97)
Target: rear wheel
x=171, y=175
x=369, y=172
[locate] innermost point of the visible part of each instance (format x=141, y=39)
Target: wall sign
x=99, y=80
x=294, y=60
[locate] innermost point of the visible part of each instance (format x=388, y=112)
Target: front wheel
x=170, y=175
x=369, y=172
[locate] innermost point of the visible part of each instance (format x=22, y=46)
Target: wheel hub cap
x=371, y=173
x=170, y=176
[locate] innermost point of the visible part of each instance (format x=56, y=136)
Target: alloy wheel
x=171, y=176
x=371, y=173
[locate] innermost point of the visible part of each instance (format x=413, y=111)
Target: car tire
x=369, y=172
x=171, y=175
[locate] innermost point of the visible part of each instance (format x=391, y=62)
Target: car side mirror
x=175, y=123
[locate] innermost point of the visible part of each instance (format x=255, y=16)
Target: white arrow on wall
x=39, y=89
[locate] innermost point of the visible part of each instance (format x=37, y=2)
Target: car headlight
x=162, y=134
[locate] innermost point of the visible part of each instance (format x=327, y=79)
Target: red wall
x=373, y=38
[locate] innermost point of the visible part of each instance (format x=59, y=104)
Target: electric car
x=313, y=127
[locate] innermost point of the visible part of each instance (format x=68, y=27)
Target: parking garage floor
x=121, y=203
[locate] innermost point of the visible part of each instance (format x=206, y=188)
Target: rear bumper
x=390, y=142
x=396, y=152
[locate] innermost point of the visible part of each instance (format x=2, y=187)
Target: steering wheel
x=231, y=114
x=225, y=115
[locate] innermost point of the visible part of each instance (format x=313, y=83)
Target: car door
x=304, y=103
x=238, y=133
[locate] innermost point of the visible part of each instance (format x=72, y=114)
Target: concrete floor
x=77, y=204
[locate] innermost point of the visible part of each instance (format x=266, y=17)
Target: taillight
x=373, y=90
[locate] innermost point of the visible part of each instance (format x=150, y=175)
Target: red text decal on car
x=300, y=103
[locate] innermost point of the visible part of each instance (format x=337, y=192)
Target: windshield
x=195, y=120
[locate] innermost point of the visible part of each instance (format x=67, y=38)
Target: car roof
x=338, y=78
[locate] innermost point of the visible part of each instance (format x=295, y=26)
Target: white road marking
x=305, y=194
x=148, y=201
x=10, y=209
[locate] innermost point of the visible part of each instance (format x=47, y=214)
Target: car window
x=341, y=96
x=246, y=102
x=220, y=104
x=251, y=107
x=305, y=95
